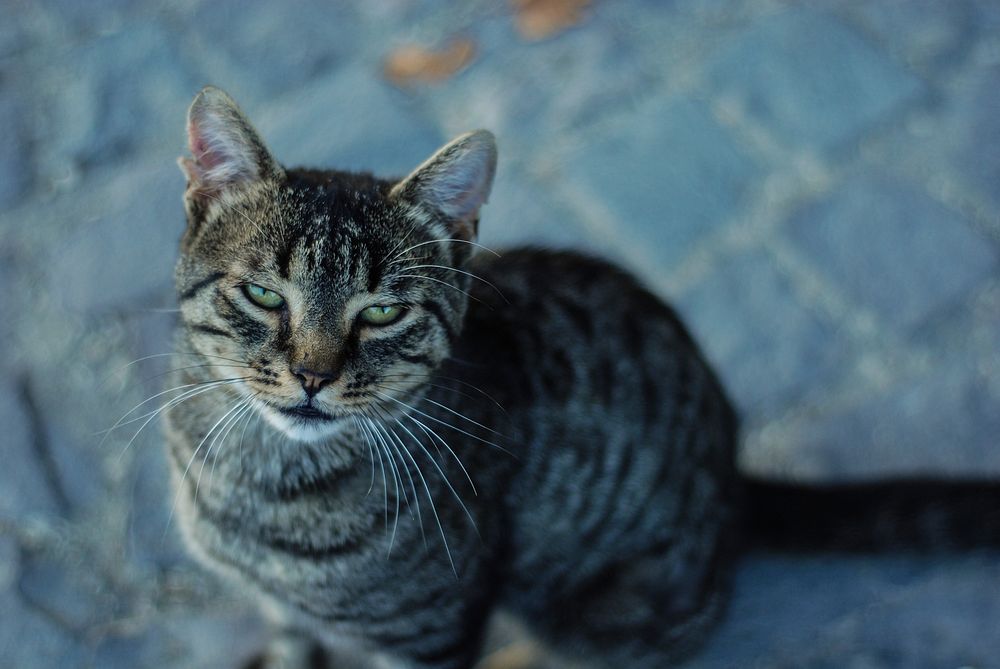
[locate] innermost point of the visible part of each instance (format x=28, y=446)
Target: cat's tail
x=925, y=515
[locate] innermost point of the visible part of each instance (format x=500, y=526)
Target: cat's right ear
x=455, y=182
x=226, y=151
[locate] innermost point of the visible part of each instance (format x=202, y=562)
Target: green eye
x=262, y=296
x=381, y=315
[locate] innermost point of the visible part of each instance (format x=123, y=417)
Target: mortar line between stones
x=40, y=444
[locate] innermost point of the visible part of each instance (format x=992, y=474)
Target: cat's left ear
x=455, y=182
x=226, y=151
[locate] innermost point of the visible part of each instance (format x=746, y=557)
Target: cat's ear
x=226, y=151
x=455, y=181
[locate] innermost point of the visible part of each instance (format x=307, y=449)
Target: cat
x=389, y=433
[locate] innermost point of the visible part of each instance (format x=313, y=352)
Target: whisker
x=385, y=482
x=444, y=283
x=121, y=421
x=169, y=355
x=437, y=518
x=413, y=487
x=432, y=434
x=371, y=454
x=247, y=408
x=440, y=471
x=444, y=241
x=409, y=259
x=181, y=369
x=402, y=240
x=463, y=417
x=244, y=434
x=448, y=388
x=394, y=470
x=462, y=271
x=238, y=211
x=180, y=486
x=227, y=418
x=167, y=406
x=444, y=423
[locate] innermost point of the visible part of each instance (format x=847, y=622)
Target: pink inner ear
x=199, y=148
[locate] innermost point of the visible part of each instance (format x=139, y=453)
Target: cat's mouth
x=306, y=412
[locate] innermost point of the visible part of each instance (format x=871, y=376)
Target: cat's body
x=532, y=433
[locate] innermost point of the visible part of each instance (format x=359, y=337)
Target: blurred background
x=815, y=185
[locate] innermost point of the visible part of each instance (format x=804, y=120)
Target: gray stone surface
x=25, y=480
x=809, y=79
x=816, y=184
x=770, y=348
x=16, y=164
x=892, y=248
x=976, y=130
x=669, y=175
x=354, y=121
x=118, y=253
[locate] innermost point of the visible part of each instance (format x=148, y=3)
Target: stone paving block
x=27, y=639
x=892, y=248
x=73, y=595
x=973, y=134
x=126, y=249
x=810, y=80
x=150, y=542
x=113, y=95
x=951, y=147
x=24, y=482
x=925, y=33
x=769, y=349
x=349, y=120
x=521, y=212
x=945, y=618
x=942, y=423
x=73, y=466
x=16, y=160
x=899, y=611
x=270, y=48
x=668, y=173
x=529, y=94
x=943, y=420
x=203, y=641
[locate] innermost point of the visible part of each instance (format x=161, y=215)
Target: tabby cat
x=389, y=433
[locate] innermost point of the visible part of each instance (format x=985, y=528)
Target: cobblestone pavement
x=815, y=184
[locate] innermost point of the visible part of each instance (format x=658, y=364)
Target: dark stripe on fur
x=436, y=310
x=210, y=330
x=307, y=551
x=324, y=484
x=198, y=286
x=417, y=359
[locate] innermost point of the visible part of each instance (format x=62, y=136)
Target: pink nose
x=313, y=381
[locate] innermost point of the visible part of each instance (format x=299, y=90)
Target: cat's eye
x=381, y=314
x=263, y=297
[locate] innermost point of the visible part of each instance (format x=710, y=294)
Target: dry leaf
x=416, y=64
x=538, y=19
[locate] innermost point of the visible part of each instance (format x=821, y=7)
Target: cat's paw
x=519, y=655
x=291, y=654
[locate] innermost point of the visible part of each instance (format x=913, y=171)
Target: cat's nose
x=313, y=381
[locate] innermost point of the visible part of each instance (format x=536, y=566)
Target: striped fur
x=537, y=434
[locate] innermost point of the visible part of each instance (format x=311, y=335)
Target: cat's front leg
x=291, y=650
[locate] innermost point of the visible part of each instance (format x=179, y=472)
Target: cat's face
x=328, y=295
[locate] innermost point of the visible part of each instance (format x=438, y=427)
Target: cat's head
x=328, y=294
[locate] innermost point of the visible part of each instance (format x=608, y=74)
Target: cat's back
x=624, y=435
x=576, y=330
